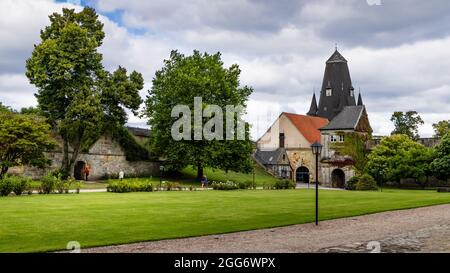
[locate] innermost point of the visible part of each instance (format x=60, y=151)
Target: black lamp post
x=316, y=148
x=161, y=172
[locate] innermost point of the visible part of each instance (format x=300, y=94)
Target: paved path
x=423, y=229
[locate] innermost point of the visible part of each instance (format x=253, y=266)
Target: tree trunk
x=4, y=170
x=199, y=171
x=65, y=161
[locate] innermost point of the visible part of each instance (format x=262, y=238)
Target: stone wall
x=302, y=158
x=326, y=170
x=106, y=157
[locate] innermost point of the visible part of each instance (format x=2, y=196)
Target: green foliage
x=225, y=186
x=231, y=185
x=366, y=183
x=31, y=111
x=6, y=186
x=354, y=145
x=4, y=108
x=284, y=184
x=441, y=128
x=21, y=184
x=399, y=157
x=16, y=184
x=170, y=186
x=407, y=124
x=23, y=140
x=49, y=183
x=351, y=183
x=133, y=150
x=180, y=80
x=130, y=186
x=78, y=96
x=441, y=164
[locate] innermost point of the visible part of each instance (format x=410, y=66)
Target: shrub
x=173, y=185
x=20, y=185
x=225, y=186
x=78, y=186
x=351, y=183
x=49, y=183
x=63, y=186
x=284, y=184
x=366, y=183
x=6, y=186
x=130, y=186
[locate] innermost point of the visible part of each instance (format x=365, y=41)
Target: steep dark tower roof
x=313, y=108
x=360, y=101
x=337, y=90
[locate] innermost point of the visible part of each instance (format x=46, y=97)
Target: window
x=329, y=92
x=333, y=138
x=352, y=93
x=325, y=109
x=284, y=157
x=337, y=138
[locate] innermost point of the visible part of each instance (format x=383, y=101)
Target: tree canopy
x=181, y=80
x=407, y=124
x=441, y=128
x=441, y=164
x=399, y=157
x=23, y=140
x=77, y=95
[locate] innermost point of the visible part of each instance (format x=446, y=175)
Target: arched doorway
x=78, y=170
x=338, y=178
x=302, y=175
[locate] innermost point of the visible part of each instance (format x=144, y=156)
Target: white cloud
x=281, y=48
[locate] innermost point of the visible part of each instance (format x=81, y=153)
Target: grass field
x=48, y=222
x=188, y=177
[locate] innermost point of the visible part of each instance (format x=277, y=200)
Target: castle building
x=284, y=150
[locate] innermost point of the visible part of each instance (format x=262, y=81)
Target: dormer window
x=329, y=92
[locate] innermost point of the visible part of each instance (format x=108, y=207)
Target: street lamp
x=316, y=148
x=161, y=172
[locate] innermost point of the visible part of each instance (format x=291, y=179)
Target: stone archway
x=338, y=178
x=78, y=170
x=302, y=175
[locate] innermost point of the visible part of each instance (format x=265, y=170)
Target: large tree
x=406, y=124
x=23, y=140
x=398, y=157
x=75, y=93
x=181, y=80
x=441, y=128
x=441, y=164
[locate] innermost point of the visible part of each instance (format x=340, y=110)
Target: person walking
x=87, y=171
x=204, y=182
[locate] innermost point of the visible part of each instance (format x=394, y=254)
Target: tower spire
x=313, y=108
x=360, y=101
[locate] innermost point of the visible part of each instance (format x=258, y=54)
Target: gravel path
x=415, y=230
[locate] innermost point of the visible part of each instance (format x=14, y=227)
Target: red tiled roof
x=307, y=125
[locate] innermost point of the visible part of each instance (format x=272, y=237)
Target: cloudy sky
x=398, y=50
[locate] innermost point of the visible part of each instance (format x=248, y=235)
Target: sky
x=398, y=50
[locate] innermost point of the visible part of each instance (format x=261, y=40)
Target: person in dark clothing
x=204, y=182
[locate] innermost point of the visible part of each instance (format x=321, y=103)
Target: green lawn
x=188, y=177
x=47, y=222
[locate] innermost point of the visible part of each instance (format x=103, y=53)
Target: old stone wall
x=302, y=158
x=105, y=158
